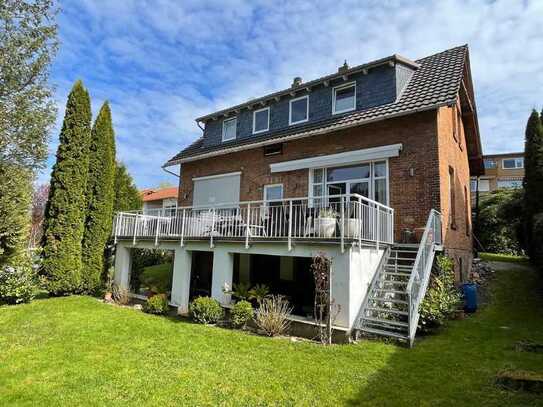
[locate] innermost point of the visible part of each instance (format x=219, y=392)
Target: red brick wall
x=412, y=197
x=452, y=154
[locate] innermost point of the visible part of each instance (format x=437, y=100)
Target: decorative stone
x=138, y=307
x=520, y=380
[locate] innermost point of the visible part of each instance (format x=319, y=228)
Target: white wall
x=352, y=271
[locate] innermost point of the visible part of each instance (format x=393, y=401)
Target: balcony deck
x=339, y=219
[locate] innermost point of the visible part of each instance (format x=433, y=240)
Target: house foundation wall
x=352, y=270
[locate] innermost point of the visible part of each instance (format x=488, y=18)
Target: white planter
x=326, y=227
x=354, y=228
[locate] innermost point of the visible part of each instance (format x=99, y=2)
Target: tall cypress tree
x=533, y=178
x=100, y=197
x=127, y=195
x=65, y=212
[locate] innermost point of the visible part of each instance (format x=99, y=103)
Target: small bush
x=241, y=313
x=17, y=284
x=157, y=304
x=272, y=316
x=442, y=298
x=206, y=310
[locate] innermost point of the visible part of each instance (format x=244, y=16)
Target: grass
x=158, y=277
x=509, y=258
x=79, y=351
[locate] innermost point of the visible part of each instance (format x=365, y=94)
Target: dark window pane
x=344, y=99
x=361, y=188
x=381, y=191
x=380, y=169
x=298, y=110
x=347, y=173
x=261, y=120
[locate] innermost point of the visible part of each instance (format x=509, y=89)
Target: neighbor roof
x=435, y=83
x=149, y=195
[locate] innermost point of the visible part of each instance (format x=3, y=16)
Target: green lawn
x=509, y=258
x=78, y=351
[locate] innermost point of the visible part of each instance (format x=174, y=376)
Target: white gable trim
x=349, y=157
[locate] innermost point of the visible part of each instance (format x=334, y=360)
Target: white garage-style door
x=216, y=189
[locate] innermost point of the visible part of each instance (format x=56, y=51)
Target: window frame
x=269, y=186
x=230, y=119
x=334, y=97
x=254, y=120
x=515, y=160
x=290, y=102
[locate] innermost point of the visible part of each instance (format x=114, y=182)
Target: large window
x=484, y=185
x=344, y=98
x=229, y=129
x=298, y=112
x=261, y=120
x=513, y=163
x=367, y=179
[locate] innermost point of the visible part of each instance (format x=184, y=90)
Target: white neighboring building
x=161, y=201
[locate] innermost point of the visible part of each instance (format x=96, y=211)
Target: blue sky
x=163, y=63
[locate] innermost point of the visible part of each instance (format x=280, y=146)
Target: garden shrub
x=17, y=284
x=241, y=313
x=157, y=304
x=206, y=310
x=499, y=223
x=272, y=316
x=537, y=241
x=442, y=298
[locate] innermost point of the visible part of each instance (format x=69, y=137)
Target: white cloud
x=163, y=63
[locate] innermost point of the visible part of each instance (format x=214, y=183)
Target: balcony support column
x=122, y=265
x=223, y=269
x=182, y=264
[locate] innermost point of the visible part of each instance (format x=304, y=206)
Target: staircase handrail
x=420, y=276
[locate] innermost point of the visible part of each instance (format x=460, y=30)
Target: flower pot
x=353, y=228
x=326, y=227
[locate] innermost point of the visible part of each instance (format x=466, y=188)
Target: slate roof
x=435, y=83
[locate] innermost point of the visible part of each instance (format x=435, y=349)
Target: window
x=273, y=192
x=367, y=179
x=344, y=98
x=510, y=183
x=452, y=199
x=484, y=185
x=261, y=120
x=169, y=207
x=466, y=210
x=274, y=149
x=489, y=163
x=298, y=110
x=513, y=163
x=229, y=129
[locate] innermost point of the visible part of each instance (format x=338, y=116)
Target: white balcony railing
x=341, y=218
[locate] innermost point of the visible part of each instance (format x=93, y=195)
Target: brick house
x=370, y=165
x=504, y=170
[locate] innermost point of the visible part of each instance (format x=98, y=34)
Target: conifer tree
x=65, y=212
x=127, y=195
x=533, y=179
x=100, y=197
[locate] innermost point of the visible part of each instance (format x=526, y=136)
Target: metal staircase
x=392, y=302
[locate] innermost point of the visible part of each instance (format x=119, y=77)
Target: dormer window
x=261, y=120
x=229, y=129
x=344, y=98
x=298, y=111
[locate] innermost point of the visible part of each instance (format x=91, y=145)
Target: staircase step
x=398, y=266
x=402, y=258
x=388, y=300
x=390, y=291
x=386, y=321
x=383, y=310
x=383, y=333
x=388, y=273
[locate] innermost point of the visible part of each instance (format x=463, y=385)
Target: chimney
x=343, y=68
x=296, y=82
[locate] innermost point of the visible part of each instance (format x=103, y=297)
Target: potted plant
x=352, y=225
x=326, y=222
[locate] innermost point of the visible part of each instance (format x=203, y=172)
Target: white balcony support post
x=247, y=221
x=290, y=226
x=119, y=216
x=212, y=228
x=182, y=243
x=342, y=226
x=135, y=229
x=157, y=230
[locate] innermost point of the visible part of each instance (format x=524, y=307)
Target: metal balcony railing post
x=342, y=226
x=212, y=228
x=290, y=226
x=135, y=229
x=157, y=230
x=378, y=234
x=248, y=220
x=360, y=221
x=182, y=229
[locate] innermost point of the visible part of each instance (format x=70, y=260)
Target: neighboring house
x=361, y=165
x=501, y=171
x=160, y=201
